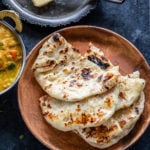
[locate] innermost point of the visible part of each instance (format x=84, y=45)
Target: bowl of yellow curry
x=12, y=51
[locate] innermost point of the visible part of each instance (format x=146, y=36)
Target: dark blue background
x=131, y=20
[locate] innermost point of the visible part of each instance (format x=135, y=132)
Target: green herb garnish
x=11, y=66
x=21, y=137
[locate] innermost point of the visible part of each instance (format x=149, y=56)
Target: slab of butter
x=40, y=3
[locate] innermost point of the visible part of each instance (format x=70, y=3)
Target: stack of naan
x=86, y=93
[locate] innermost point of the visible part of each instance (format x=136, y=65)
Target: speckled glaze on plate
x=120, y=51
x=55, y=14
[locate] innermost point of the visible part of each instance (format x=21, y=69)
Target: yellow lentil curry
x=10, y=57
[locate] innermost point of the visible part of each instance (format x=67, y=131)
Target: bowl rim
x=38, y=45
x=23, y=54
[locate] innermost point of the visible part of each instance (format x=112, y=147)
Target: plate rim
x=49, y=145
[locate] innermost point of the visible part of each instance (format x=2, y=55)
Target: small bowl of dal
x=12, y=51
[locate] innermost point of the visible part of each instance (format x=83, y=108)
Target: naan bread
x=130, y=86
x=121, y=123
x=65, y=75
x=123, y=95
x=66, y=116
x=90, y=112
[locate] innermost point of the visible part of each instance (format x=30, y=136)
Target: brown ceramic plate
x=120, y=51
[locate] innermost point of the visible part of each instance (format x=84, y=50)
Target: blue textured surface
x=131, y=20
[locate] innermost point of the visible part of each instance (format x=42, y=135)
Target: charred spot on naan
x=72, y=83
x=56, y=37
x=101, y=133
x=101, y=63
x=50, y=65
x=99, y=78
x=122, y=95
x=86, y=73
x=50, y=116
x=109, y=102
x=64, y=51
x=107, y=78
x=122, y=123
x=78, y=108
x=76, y=50
x=66, y=70
x=137, y=110
x=47, y=53
x=84, y=118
